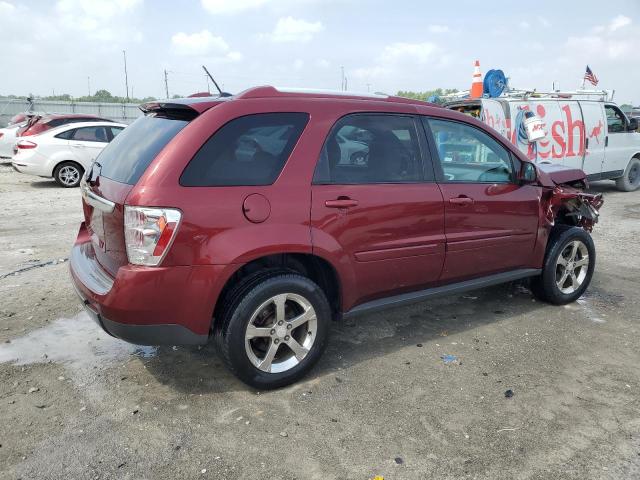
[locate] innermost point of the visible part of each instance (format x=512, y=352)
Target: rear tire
x=273, y=329
x=630, y=181
x=568, y=266
x=68, y=174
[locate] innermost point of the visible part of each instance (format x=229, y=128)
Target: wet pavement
x=490, y=384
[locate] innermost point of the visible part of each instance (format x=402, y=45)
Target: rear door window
x=371, y=148
x=250, y=150
x=90, y=134
x=127, y=157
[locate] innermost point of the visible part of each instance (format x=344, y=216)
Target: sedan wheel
x=68, y=174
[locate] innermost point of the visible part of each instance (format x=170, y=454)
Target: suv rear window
x=129, y=154
x=249, y=150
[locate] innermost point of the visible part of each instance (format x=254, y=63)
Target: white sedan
x=64, y=153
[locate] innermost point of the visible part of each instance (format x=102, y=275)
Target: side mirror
x=633, y=124
x=528, y=173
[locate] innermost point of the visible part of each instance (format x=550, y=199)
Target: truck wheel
x=630, y=181
x=274, y=330
x=68, y=174
x=568, y=266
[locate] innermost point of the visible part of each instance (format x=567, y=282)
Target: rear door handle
x=341, y=203
x=462, y=200
x=77, y=145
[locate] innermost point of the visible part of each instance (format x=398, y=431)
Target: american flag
x=590, y=77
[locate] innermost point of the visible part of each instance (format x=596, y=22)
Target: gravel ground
x=75, y=403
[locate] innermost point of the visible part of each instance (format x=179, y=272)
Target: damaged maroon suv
x=257, y=219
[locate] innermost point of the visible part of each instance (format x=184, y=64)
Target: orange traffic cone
x=476, y=82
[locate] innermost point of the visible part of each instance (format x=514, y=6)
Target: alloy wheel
x=69, y=175
x=572, y=266
x=281, y=332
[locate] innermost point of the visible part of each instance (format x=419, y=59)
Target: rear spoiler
x=181, y=108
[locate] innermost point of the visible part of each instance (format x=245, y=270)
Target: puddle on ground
x=590, y=311
x=77, y=343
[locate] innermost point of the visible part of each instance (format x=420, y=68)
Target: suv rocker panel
x=453, y=288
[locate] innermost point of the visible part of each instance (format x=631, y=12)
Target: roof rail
x=268, y=91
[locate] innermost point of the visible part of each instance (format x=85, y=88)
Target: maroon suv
x=258, y=219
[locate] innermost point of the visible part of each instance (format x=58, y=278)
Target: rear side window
x=66, y=135
x=249, y=150
x=129, y=154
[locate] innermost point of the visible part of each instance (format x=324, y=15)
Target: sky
x=61, y=46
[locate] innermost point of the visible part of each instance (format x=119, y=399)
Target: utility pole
x=368, y=87
x=126, y=78
x=342, y=87
x=89, y=85
x=166, y=83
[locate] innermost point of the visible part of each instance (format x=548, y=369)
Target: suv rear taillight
x=26, y=144
x=149, y=232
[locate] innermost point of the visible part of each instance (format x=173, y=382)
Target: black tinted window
x=91, y=134
x=65, y=135
x=469, y=155
x=250, y=150
x=371, y=149
x=129, y=154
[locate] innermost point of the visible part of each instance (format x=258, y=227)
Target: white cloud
x=6, y=8
x=418, y=52
x=99, y=20
x=619, y=22
x=201, y=44
x=289, y=29
x=408, y=58
x=438, y=28
x=322, y=63
x=216, y=7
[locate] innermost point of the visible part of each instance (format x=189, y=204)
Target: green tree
x=424, y=96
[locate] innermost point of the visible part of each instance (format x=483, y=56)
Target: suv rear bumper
x=146, y=305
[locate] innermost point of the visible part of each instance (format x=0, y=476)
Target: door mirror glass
x=633, y=124
x=528, y=173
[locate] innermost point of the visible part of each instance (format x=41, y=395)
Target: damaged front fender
x=566, y=204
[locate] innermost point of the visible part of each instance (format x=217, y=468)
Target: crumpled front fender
x=571, y=202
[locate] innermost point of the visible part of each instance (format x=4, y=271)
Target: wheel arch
x=312, y=266
x=57, y=163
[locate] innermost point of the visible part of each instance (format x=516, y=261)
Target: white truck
x=582, y=129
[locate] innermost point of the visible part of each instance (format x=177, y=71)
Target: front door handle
x=461, y=200
x=79, y=145
x=341, y=203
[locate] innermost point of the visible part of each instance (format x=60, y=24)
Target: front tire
x=568, y=266
x=274, y=331
x=68, y=174
x=630, y=181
